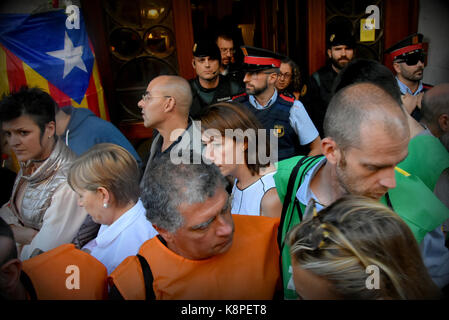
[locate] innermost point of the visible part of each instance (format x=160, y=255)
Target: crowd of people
x=259, y=184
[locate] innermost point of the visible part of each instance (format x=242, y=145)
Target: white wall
x=434, y=25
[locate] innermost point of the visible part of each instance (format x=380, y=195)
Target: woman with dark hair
x=42, y=211
x=232, y=143
x=289, y=80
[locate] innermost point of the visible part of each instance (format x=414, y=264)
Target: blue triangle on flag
x=60, y=55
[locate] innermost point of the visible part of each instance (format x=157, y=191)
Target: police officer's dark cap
x=410, y=45
x=206, y=48
x=257, y=59
x=339, y=37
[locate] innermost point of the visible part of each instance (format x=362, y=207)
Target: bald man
x=435, y=112
x=165, y=107
x=366, y=136
x=435, y=118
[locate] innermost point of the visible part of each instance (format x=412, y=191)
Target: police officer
x=287, y=116
x=340, y=51
x=408, y=63
x=209, y=86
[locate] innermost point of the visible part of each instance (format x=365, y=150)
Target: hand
x=23, y=235
x=410, y=102
x=418, y=102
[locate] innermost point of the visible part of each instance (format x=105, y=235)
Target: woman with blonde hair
x=106, y=179
x=233, y=144
x=358, y=249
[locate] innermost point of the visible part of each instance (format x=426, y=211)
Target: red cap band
x=401, y=51
x=262, y=61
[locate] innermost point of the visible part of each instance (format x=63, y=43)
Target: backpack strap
x=308, y=161
x=148, y=278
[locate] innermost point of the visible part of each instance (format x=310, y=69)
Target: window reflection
x=159, y=41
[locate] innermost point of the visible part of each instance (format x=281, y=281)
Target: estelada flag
x=39, y=50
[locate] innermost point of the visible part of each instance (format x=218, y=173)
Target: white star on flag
x=70, y=55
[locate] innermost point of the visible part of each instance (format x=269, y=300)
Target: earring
x=105, y=205
x=49, y=137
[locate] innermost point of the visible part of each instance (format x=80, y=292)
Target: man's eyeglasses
x=147, y=97
x=412, y=58
x=227, y=50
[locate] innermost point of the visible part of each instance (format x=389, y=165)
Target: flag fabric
x=39, y=50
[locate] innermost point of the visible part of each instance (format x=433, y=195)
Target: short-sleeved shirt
x=299, y=119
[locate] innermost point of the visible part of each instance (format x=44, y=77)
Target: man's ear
x=329, y=53
x=396, y=67
x=10, y=275
x=273, y=78
x=169, y=104
x=443, y=121
x=330, y=150
x=193, y=63
x=168, y=236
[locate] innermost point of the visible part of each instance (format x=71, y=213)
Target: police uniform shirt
x=299, y=119
x=404, y=89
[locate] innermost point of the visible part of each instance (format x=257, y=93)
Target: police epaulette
x=239, y=95
x=292, y=100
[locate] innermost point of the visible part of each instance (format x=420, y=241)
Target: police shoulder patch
x=279, y=130
x=303, y=90
x=239, y=96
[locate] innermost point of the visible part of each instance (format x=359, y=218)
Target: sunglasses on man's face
x=413, y=58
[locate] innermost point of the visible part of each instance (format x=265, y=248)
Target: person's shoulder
x=235, y=86
x=255, y=223
x=128, y=279
x=287, y=98
x=321, y=71
x=241, y=97
x=427, y=86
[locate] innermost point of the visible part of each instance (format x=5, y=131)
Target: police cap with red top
x=409, y=45
x=257, y=59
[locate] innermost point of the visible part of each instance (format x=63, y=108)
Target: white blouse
x=248, y=201
x=122, y=238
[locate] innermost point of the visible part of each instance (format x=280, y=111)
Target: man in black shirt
x=209, y=86
x=340, y=51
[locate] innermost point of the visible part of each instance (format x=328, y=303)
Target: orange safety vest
x=248, y=270
x=66, y=273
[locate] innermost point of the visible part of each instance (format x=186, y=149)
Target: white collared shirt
x=299, y=118
x=122, y=238
x=305, y=193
